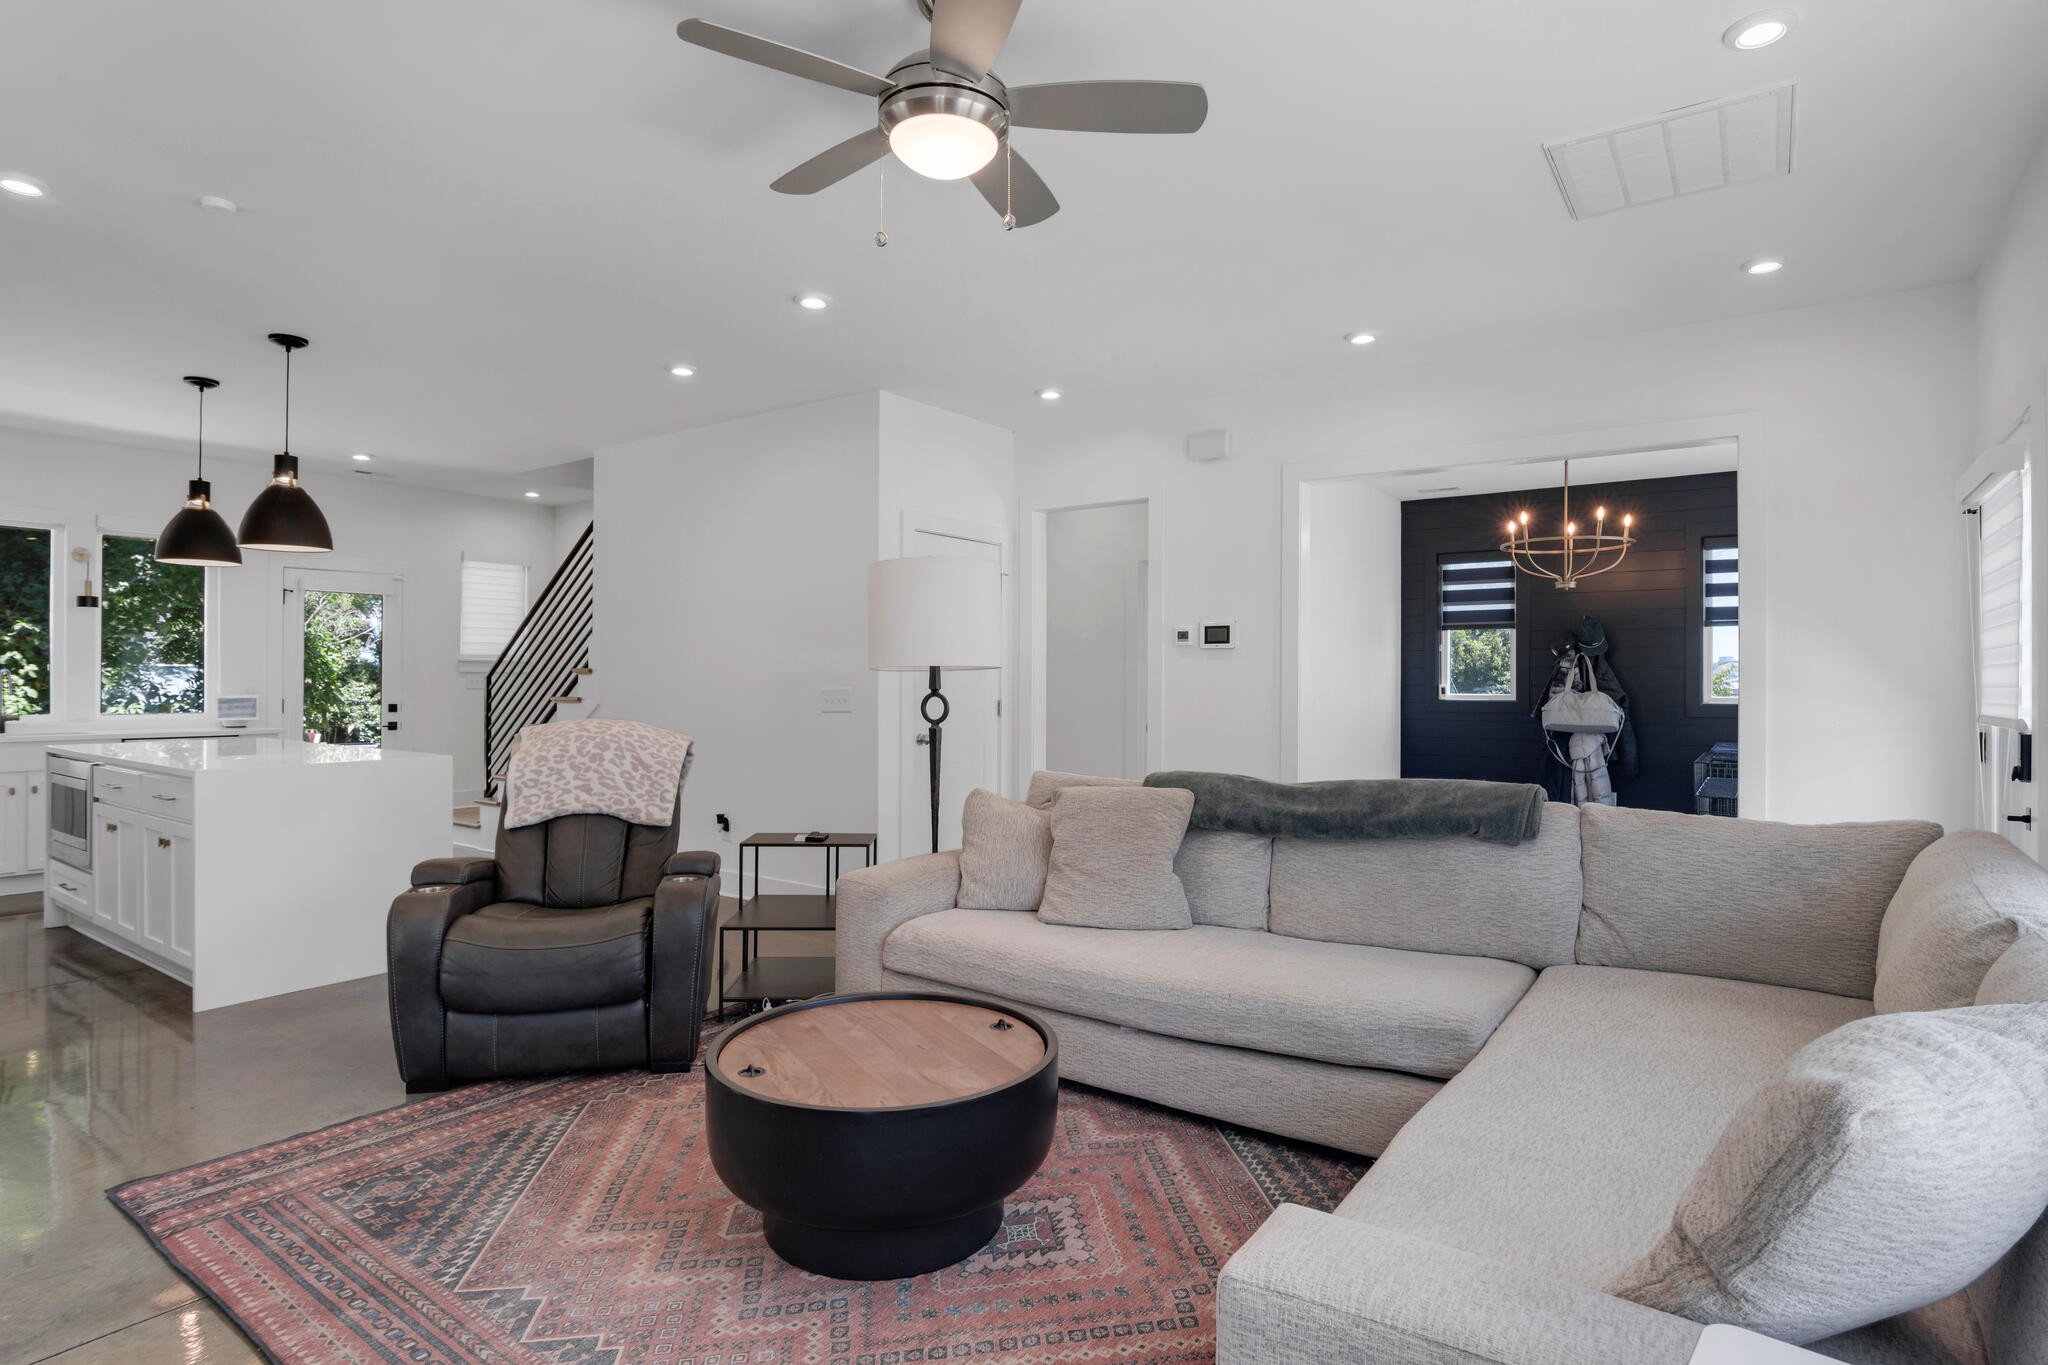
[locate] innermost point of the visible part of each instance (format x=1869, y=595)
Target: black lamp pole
x=932, y=722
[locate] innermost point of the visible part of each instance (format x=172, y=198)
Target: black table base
x=882, y=1253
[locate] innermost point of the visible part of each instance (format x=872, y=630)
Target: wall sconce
x=88, y=598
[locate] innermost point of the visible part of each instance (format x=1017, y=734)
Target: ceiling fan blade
x=780, y=57
x=1016, y=189
x=834, y=164
x=1110, y=106
x=967, y=35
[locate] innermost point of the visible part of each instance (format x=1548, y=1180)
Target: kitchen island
x=249, y=867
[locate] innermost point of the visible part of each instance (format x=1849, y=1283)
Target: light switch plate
x=835, y=699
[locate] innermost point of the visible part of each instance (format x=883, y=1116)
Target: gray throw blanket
x=1386, y=808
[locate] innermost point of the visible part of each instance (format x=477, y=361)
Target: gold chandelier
x=1566, y=559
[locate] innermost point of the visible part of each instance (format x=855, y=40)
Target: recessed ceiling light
x=217, y=204
x=360, y=458
x=682, y=371
x=1761, y=29
x=23, y=186
x=816, y=303
x=1763, y=265
x=1360, y=338
x=1050, y=395
x=532, y=493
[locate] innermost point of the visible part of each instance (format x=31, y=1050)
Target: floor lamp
x=931, y=613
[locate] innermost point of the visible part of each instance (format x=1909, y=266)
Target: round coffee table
x=879, y=1134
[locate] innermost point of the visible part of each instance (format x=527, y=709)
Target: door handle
x=113, y=786
x=162, y=842
x=113, y=829
x=67, y=886
x=924, y=739
x=391, y=725
x=2027, y=819
x=159, y=796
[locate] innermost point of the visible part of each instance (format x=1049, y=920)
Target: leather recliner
x=584, y=945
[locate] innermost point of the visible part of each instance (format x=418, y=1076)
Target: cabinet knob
x=67, y=886
x=33, y=790
x=10, y=791
x=113, y=829
x=159, y=796
x=162, y=842
x=113, y=786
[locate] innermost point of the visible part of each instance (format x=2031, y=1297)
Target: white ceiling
x=500, y=221
x=1515, y=476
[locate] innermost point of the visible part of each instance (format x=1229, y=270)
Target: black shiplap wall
x=1650, y=606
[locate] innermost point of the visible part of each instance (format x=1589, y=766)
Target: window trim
x=1698, y=704
x=1465, y=702
x=88, y=689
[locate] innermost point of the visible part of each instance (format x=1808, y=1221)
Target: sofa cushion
x=1112, y=858
x=1567, y=1141
x=1887, y=1166
x=1454, y=895
x=2020, y=976
x=1047, y=785
x=1225, y=875
x=1961, y=906
x=1004, y=848
x=1331, y=1002
x=516, y=958
x=1787, y=905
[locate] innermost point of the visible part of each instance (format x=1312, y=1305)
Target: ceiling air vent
x=1687, y=151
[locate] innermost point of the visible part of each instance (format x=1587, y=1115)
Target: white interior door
x=343, y=679
x=971, y=755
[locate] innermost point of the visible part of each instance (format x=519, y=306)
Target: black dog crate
x=1713, y=780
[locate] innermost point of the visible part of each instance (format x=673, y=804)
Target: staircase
x=544, y=673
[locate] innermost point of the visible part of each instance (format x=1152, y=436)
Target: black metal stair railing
x=543, y=659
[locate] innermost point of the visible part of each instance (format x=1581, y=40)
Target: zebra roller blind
x=1478, y=591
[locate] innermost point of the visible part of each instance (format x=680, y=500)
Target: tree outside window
x=152, y=631
x=1480, y=663
x=344, y=692
x=25, y=620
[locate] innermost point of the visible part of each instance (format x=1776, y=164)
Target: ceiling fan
x=945, y=114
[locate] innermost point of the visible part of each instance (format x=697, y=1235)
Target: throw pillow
x=1961, y=905
x=1889, y=1164
x=2021, y=976
x=1046, y=786
x=1112, y=858
x=1003, y=850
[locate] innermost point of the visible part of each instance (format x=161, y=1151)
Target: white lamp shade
x=934, y=611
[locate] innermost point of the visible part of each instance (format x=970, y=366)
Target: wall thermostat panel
x=1219, y=635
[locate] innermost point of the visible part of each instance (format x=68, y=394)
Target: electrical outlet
x=835, y=699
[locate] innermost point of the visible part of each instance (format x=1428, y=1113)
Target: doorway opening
x=1097, y=622
x=341, y=646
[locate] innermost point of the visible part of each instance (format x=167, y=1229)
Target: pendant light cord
x=287, y=400
x=202, y=433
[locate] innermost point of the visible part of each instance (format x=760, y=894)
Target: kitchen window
x=1720, y=634
x=152, y=631
x=25, y=574
x=1476, y=621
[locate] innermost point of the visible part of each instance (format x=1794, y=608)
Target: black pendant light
x=284, y=515
x=197, y=534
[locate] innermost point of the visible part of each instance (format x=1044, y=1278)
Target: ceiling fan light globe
x=941, y=146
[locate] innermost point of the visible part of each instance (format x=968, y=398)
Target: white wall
x=1348, y=711
x=936, y=468
x=1860, y=414
x=731, y=589
x=417, y=534
x=1095, y=641
x=569, y=521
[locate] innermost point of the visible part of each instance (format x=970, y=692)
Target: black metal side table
x=761, y=981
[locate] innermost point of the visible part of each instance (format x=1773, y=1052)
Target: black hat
x=1592, y=636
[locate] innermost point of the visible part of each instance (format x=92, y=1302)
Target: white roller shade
x=2005, y=666
x=493, y=605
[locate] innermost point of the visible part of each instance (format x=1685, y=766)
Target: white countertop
x=181, y=757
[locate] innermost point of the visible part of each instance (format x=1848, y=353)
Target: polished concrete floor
x=107, y=1075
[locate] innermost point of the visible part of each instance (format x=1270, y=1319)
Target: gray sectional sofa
x=1541, y=1045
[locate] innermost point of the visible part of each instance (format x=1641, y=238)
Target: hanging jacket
x=1621, y=759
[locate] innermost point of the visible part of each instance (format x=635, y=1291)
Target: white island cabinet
x=250, y=867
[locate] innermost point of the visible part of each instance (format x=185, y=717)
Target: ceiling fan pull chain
x=1009, y=218
x=882, y=207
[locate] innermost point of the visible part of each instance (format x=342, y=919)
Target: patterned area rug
x=577, y=1221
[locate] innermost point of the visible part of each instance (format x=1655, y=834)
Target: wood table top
x=881, y=1053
